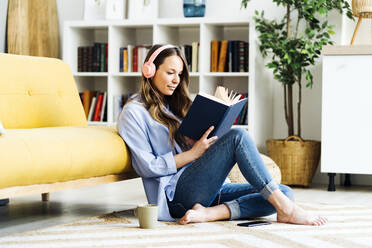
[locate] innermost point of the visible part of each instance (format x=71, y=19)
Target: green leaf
x=322, y=11
x=331, y=32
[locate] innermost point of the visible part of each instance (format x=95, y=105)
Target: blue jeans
x=203, y=181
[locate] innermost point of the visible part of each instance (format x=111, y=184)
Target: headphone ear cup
x=149, y=70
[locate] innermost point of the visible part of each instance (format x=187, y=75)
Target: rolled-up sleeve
x=132, y=128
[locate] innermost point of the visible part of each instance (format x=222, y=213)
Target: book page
x=229, y=98
x=223, y=96
x=213, y=98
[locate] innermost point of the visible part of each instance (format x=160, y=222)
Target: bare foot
x=198, y=213
x=299, y=216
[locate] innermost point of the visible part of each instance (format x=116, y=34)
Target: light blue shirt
x=151, y=153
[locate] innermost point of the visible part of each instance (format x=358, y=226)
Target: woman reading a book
x=187, y=178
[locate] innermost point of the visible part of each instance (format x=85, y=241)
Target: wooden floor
x=30, y=213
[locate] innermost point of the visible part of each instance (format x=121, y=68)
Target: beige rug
x=349, y=226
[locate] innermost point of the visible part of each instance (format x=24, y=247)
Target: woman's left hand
x=203, y=144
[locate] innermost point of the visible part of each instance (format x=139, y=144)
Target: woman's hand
x=203, y=144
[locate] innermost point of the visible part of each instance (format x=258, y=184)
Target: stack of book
x=92, y=58
x=242, y=118
x=191, y=53
x=229, y=56
x=94, y=104
x=132, y=57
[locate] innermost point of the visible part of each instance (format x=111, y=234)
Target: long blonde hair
x=179, y=102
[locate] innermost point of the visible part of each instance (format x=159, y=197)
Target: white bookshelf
x=178, y=32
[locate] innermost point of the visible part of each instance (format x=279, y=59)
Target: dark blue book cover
x=206, y=112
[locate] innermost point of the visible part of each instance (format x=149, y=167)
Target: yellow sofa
x=48, y=145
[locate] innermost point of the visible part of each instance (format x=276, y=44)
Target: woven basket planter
x=362, y=8
x=297, y=160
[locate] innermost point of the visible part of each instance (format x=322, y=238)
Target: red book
x=135, y=58
x=236, y=120
x=97, y=112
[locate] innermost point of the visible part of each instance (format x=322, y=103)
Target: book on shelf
x=220, y=111
x=188, y=54
x=104, y=108
x=87, y=99
x=242, y=117
x=91, y=109
x=97, y=112
x=222, y=56
x=94, y=104
x=229, y=56
x=130, y=57
x=195, y=54
x=215, y=45
x=92, y=58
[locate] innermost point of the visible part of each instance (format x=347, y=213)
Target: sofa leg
x=45, y=197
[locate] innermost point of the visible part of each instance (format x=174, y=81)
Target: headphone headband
x=157, y=52
x=149, y=68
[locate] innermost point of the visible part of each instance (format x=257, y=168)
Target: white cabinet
x=346, y=110
x=178, y=32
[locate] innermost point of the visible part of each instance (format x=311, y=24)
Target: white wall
x=68, y=10
x=3, y=15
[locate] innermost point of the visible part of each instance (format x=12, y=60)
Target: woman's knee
x=287, y=191
x=239, y=133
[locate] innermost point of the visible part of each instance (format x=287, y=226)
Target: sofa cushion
x=38, y=92
x=58, y=154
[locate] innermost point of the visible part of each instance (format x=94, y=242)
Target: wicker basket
x=297, y=160
x=362, y=8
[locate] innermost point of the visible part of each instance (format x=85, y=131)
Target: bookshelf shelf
x=127, y=74
x=90, y=74
x=227, y=74
x=194, y=74
x=176, y=31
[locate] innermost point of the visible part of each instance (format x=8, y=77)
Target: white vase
x=115, y=9
x=143, y=9
x=94, y=9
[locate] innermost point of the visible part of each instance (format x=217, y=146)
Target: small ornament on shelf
x=94, y=9
x=115, y=9
x=143, y=9
x=194, y=8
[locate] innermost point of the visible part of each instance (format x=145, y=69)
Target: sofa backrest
x=38, y=92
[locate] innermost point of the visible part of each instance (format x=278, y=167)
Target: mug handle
x=135, y=212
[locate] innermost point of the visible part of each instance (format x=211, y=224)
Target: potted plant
x=294, y=43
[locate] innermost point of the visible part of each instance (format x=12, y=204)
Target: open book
x=219, y=111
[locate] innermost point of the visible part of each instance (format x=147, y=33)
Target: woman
x=186, y=178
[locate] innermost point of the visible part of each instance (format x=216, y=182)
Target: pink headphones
x=149, y=67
